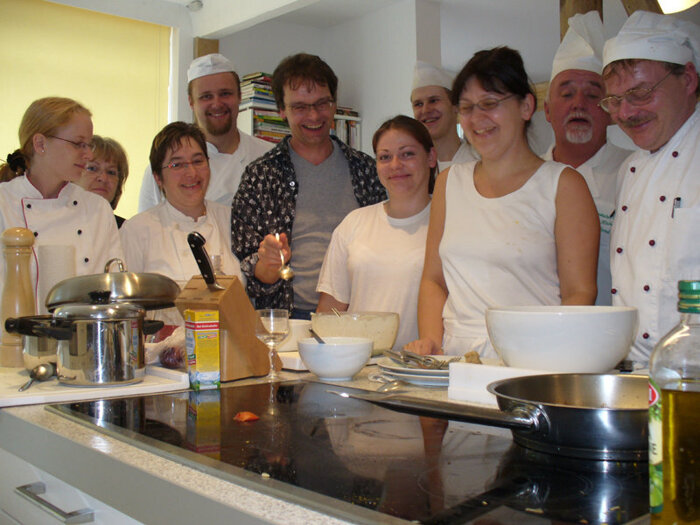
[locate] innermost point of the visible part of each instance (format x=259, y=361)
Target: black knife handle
x=197, y=241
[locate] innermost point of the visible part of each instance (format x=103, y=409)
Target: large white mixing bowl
x=577, y=339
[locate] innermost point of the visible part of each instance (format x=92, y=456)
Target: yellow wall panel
x=117, y=67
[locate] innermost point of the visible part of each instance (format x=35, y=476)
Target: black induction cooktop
x=351, y=459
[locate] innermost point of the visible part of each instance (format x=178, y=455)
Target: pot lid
x=105, y=312
x=150, y=291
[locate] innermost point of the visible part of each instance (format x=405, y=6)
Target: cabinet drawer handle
x=31, y=492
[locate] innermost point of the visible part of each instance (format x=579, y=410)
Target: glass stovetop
x=350, y=458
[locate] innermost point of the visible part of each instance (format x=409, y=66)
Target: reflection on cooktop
x=350, y=451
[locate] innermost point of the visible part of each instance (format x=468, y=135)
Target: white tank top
x=496, y=252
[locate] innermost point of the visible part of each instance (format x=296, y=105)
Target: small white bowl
x=567, y=339
x=337, y=360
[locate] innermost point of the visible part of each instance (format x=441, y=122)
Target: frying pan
x=588, y=416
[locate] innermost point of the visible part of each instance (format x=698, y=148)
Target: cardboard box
x=202, y=343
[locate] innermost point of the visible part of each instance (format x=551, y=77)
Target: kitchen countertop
x=74, y=452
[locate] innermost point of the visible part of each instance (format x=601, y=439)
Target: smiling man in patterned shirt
x=300, y=190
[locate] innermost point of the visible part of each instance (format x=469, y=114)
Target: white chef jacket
x=226, y=172
x=655, y=238
x=374, y=263
x=76, y=217
x=465, y=153
x=600, y=173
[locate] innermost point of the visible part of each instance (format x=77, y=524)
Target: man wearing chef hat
x=430, y=98
x=580, y=126
x=651, y=83
x=214, y=93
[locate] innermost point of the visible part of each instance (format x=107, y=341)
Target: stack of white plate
x=416, y=376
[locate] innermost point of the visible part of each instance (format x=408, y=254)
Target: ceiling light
x=674, y=6
x=196, y=5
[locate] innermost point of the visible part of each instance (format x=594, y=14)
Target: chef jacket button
x=662, y=198
x=652, y=242
x=633, y=169
x=618, y=250
x=29, y=206
x=292, y=184
x=624, y=208
x=645, y=335
x=613, y=291
x=646, y=288
x=80, y=232
x=675, y=153
x=86, y=259
x=75, y=203
x=36, y=234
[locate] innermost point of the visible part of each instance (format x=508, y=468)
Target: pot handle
x=20, y=325
x=150, y=326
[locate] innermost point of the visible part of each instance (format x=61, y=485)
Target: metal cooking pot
x=150, y=291
x=103, y=344
x=588, y=416
x=37, y=349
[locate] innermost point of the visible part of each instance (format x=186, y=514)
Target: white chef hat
x=425, y=74
x=582, y=45
x=649, y=36
x=208, y=65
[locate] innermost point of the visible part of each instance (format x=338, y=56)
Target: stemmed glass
x=271, y=328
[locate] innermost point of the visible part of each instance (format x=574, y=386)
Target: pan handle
x=521, y=418
x=151, y=326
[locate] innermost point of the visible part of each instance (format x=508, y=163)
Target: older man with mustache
x=580, y=127
x=651, y=82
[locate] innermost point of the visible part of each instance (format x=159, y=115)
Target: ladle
x=40, y=372
x=286, y=271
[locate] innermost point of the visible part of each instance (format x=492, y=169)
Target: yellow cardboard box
x=202, y=343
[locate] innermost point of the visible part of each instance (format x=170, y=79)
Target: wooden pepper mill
x=17, y=294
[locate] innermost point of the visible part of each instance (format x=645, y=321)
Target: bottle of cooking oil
x=674, y=416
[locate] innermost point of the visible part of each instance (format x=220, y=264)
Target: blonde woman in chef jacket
x=375, y=257
x=509, y=229
x=55, y=144
x=156, y=239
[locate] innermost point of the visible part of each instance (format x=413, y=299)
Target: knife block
x=242, y=354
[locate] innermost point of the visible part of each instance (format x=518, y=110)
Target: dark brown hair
x=302, y=68
x=416, y=130
x=170, y=138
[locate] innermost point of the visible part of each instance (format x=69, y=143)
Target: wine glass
x=271, y=328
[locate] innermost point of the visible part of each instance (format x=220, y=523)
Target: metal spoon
x=40, y=372
x=286, y=271
x=316, y=336
x=393, y=386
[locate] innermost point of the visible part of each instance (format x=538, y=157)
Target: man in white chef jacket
x=430, y=98
x=580, y=127
x=214, y=93
x=651, y=83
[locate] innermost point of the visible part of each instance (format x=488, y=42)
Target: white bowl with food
x=568, y=339
x=380, y=327
x=338, y=359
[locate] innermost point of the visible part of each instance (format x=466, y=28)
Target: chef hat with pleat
x=582, y=46
x=209, y=65
x=648, y=36
x=425, y=74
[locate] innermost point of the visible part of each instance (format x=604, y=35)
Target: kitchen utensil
x=396, y=368
x=37, y=348
x=389, y=384
x=271, y=328
x=316, y=336
x=40, y=372
x=588, y=416
x=571, y=339
x=150, y=291
x=335, y=311
x=286, y=271
x=421, y=361
x=338, y=358
x=197, y=241
x=381, y=327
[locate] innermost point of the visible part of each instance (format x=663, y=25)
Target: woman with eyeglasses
x=375, y=257
x=507, y=230
x=55, y=137
x=106, y=173
x=156, y=239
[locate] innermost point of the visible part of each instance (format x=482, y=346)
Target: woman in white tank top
x=510, y=229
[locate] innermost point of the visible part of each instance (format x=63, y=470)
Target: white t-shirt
x=496, y=252
x=226, y=172
x=465, y=153
x=374, y=263
x=75, y=218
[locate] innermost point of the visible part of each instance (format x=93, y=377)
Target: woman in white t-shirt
x=375, y=257
x=507, y=230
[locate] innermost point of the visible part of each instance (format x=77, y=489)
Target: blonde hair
x=43, y=116
x=109, y=150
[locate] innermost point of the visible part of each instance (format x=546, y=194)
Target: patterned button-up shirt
x=266, y=203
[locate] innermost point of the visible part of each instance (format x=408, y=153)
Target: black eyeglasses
x=635, y=96
x=85, y=146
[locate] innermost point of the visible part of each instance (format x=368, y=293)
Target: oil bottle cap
x=689, y=297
